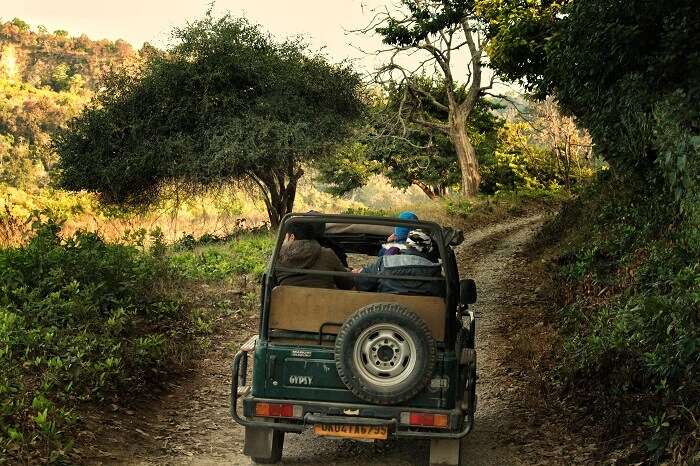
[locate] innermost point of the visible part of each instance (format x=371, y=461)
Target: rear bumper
x=339, y=413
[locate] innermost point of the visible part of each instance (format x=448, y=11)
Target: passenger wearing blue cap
x=397, y=240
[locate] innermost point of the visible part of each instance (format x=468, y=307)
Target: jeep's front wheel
x=385, y=353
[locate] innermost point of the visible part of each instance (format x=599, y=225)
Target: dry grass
x=12, y=230
x=218, y=213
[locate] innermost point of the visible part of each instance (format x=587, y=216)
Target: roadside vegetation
x=626, y=251
x=628, y=281
x=223, y=258
x=87, y=321
x=470, y=214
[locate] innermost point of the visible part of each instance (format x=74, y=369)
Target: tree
x=568, y=145
x=538, y=147
x=423, y=157
x=518, y=163
x=617, y=67
x=29, y=116
x=350, y=169
x=20, y=24
x=433, y=169
x=61, y=78
x=420, y=157
x=226, y=104
x=445, y=39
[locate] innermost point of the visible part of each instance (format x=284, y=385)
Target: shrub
x=458, y=207
x=246, y=255
x=80, y=320
x=631, y=326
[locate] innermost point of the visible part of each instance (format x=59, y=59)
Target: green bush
x=80, y=320
x=246, y=255
x=632, y=326
x=459, y=207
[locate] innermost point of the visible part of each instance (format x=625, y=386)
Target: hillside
x=45, y=79
x=56, y=60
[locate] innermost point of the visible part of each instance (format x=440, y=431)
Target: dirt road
x=190, y=425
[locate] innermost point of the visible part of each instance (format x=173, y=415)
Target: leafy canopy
x=425, y=18
x=617, y=66
x=413, y=154
x=226, y=103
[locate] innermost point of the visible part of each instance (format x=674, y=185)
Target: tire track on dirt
x=490, y=443
x=191, y=425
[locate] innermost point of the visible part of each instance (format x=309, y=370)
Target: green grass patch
x=246, y=255
x=504, y=204
x=371, y=212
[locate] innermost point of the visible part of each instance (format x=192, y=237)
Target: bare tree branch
x=429, y=124
x=428, y=96
x=416, y=103
x=476, y=65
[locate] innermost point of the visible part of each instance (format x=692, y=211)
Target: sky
x=326, y=24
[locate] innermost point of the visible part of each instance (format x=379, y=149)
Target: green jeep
x=359, y=365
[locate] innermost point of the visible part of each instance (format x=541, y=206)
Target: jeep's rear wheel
x=385, y=353
x=263, y=445
x=445, y=452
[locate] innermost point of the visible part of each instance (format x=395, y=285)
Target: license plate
x=352, y=431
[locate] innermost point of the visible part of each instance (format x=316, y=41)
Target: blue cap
x=401, y=233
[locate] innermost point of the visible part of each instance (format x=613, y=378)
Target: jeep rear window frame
x=437, y=233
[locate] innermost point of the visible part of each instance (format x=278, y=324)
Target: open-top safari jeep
x=360, y=365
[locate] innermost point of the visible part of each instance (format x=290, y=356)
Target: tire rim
x=385, y=355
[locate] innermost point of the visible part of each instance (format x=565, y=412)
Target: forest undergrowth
x=624, y=287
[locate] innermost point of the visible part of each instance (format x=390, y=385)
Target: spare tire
x=385, y=353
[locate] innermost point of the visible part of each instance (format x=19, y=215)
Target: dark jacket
x=408, y=263
x=308, y=254
x=336, y=248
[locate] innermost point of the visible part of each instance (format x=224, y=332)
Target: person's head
x=420, y=241
x=318, y=227
x=401, y=233
x=300, y=231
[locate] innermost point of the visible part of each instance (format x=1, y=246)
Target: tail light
x=277, y=410
x=425, y=420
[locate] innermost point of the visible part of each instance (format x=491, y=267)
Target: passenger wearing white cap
x=414, y=261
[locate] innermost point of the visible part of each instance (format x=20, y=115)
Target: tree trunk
x=279, y=189
x=466, y=154
x=567, y=153
x=428, y=190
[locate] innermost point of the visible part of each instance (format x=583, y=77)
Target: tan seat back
x=302, y=309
